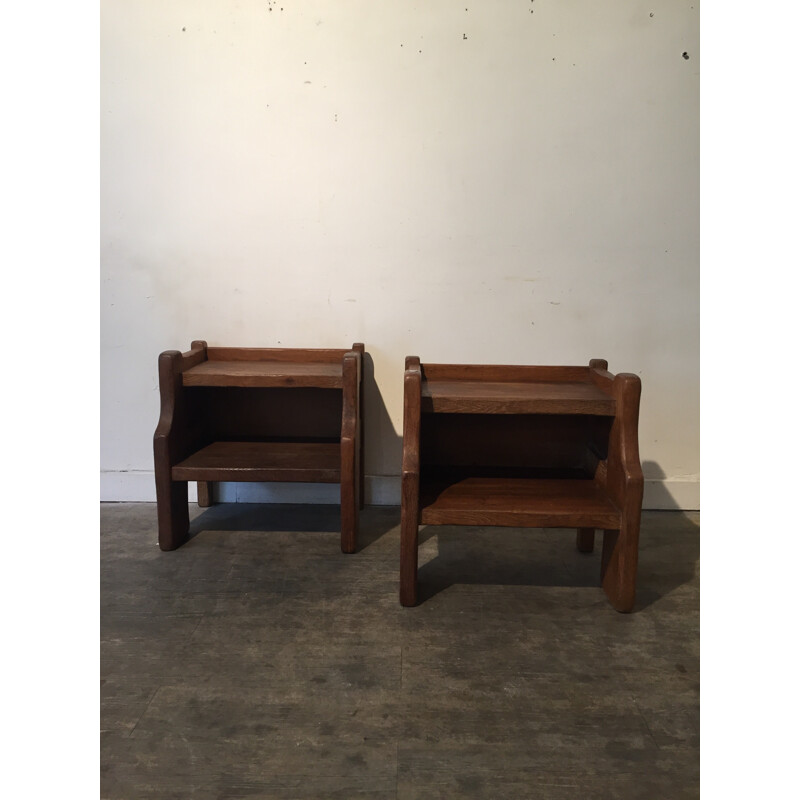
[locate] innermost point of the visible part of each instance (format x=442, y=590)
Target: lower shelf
x=313, y=462
x=513, y=501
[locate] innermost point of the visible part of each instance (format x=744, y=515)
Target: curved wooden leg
x=409, y=542
x=409, y=538
x=169, y=443
x=585, y=540
x=204, y=494
x=173, y=513
x=349, y=517
x=361, y=492
x=349, y=497
x=618, y=570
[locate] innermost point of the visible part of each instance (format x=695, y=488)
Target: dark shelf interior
x=533, y=470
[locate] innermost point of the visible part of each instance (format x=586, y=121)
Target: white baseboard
x=132, y=486
x=138, y=486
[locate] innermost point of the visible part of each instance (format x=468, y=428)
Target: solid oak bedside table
x=524, y=446
x=252, y=414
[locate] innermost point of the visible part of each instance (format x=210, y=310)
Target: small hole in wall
x=685, y=55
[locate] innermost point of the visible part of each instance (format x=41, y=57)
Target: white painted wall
x=317, y=173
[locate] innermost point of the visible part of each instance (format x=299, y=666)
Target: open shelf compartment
x=258, y=414
x=524, y=446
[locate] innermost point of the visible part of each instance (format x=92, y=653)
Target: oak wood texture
x=524, y=446
x=500, y=397
x=264, y=373
x=624, y=482
x=293, y=355
x=350, y=450
x=517, y=502
x=409, y=488
x=170, y=443
x=262, y=461
x=258, y=414
x=204, y=494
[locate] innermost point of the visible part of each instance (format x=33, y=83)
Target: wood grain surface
x=261, y=461
x=515, y=502
x=500, y=397
x=264, y=373
x=286, y=354
x=258, y=414
x=537, y=446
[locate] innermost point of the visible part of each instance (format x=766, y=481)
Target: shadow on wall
x=656, y=494
x=384, y=448
x=669, y=555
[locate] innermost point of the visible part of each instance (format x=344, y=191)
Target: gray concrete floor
x=257, y=661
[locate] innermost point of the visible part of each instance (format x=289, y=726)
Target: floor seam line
x=146, y=709
x=646, y=725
